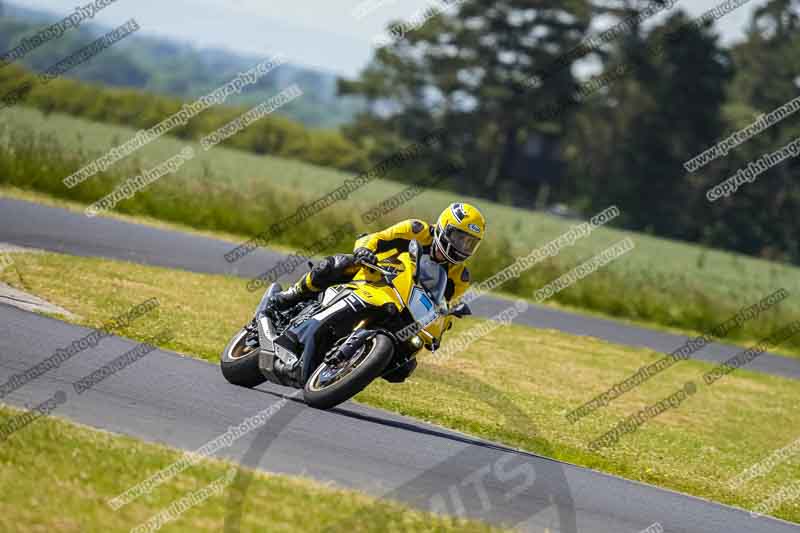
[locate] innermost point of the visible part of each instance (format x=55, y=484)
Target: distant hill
x=178, y=69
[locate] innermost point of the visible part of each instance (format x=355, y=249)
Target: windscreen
x=433, y=278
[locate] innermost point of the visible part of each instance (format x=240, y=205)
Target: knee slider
x=322, y=270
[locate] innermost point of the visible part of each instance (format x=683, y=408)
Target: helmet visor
x=464, y=243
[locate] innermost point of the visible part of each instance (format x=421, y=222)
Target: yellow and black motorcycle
x=334, y=346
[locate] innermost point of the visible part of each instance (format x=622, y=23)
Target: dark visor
x=462, y=241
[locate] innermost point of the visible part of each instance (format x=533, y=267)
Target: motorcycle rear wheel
x=330, y=386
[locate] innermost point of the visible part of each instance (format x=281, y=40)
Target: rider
x=455, y=237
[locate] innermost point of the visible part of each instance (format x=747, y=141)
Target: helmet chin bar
x=437, y=255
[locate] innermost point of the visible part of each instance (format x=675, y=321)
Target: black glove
x=365, y=255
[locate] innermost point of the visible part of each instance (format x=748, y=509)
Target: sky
x=325, y=34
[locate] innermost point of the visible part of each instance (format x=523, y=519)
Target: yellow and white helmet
x=459, y=231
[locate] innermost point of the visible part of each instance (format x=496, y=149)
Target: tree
x=471, y=74
x=660, y=114
x=760, y=219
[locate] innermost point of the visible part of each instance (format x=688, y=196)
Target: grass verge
x=57, y=476
x=695, y=448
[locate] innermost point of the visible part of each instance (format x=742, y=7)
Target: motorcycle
x=335, y=345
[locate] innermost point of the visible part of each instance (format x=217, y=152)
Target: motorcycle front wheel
x=329, y=386
x=239, y=361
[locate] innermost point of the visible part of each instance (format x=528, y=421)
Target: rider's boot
x=290, y=297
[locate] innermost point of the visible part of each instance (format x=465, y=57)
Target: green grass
x=58, y=476
x=669, y=283
x=696, y=448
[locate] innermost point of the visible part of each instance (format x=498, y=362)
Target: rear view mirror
x=414, y=250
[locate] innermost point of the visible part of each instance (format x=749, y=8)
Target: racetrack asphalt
x=33, y=225
x=184, y=403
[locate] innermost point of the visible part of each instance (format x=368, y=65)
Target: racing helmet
x=459, y=231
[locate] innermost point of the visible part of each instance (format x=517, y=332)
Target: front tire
x=323, y=392
x=239, y=362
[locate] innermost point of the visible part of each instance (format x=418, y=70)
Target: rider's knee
x=331, y=268
x=401, y=373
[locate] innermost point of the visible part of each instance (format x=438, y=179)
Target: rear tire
x=380, y=352
x=239, y=364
